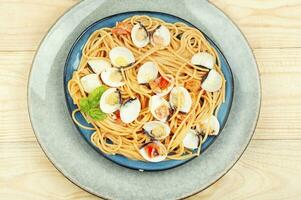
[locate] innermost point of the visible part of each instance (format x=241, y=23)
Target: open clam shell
x=156, y=129
x=90, y=82
x=211, y=124
x=191, y=140
x=110, y=100
x=153, y=151
x=139, y=35
x=213, y=82
x=112, y=77
x=203, y=59
x=121, y=57
x=147, y=72
x=180, y=95
x=159, y=108
x=130, y=110
x=98, y=65
x=161, y=36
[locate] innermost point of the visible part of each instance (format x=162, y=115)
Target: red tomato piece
x=163, y=83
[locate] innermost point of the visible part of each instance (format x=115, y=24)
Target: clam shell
x=139, y=31
x=90, y=82
x=105, y=106
x=130, y=110
x=213, y=82
x=213, y=124
x=203, y=59
x=106, y=77
x=147, y=72
x=149, y=127
x=121, y=57
x=191, y=140
x=98, y=65
x=158, y=158
x=163, y=34
x=187, y=101
x=155, y=102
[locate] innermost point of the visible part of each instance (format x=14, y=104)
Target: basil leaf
x=96, y=114
x=95, y=95
x=84, y=105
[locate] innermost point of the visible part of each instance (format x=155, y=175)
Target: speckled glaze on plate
x=81, y=164
x=72, y=64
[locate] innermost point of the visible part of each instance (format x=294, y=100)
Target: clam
x=203, y=59
x=98, y=65
x=162, y=86
x=147, y=72
x=179, y=96
x=156, y=129
x=153, y=151
x=90, y=82
x=159, y=108
x=130, y=110
x=210, y=124
x=139, y=35
x=161, y=36
x=213, y=82
x=121, y=57
x=110, y=100
x=191, y=140
x=112, y=77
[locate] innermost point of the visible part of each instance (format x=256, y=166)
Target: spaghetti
x=113, y=136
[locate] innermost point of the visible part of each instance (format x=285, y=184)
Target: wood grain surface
x=270, y=169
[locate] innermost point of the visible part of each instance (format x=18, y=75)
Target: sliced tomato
x=163, y=83
x=150, y=150
x=118, y=114
x=122, y=28
x=119, y=31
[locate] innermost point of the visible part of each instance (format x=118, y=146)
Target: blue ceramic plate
x=72, y=64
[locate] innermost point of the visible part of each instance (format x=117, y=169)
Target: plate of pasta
x=139, y=99
x=148, y=90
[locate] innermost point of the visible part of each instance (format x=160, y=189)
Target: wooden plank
x=27, y=174
x=269, y=170
x=28, y=21
x=280, y=71
x=266, y=24
x=15, y=125
x=258, y=175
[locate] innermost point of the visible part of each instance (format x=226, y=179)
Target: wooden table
x=269, y=169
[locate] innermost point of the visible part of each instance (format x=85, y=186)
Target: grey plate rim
x=70, y=178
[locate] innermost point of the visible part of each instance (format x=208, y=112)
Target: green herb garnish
x=90, y=104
